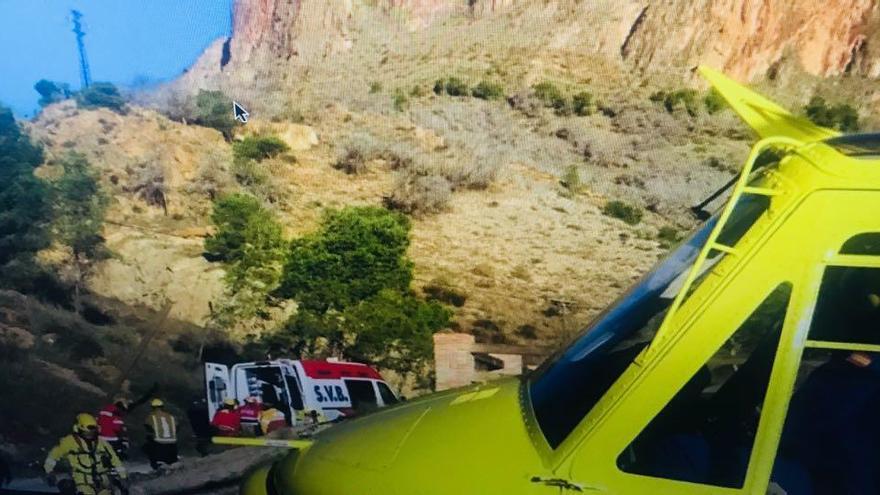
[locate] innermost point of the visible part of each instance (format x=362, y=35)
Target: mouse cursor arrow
x=240, y=113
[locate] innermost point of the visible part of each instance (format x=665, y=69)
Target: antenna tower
x=84, y=74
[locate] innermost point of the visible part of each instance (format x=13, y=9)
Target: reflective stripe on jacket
x=161, y=427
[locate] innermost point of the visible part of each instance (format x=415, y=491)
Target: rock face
x=746, y=38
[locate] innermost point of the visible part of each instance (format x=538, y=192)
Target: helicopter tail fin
x=765, y=117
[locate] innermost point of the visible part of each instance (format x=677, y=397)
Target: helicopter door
x=830, y=435
x=216, y=386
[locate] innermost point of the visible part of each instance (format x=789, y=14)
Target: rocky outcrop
x=746, y=38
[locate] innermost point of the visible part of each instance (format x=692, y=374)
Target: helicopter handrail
x=740, y=188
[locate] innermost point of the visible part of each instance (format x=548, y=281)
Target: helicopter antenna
x=84, y=73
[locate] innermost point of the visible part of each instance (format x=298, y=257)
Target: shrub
x=239, y=219
x=375, y=87
x=583, y=104
x=258, y=148
x=571, y=180
x=452, y=86
x=101, y=94
x=79, y=206
x=214, y=109
x=683, y=97
x=356, y=252
x=551, y=96
x=417, y=91
x=714, y=102
x=668, y=236
x=51, y=91
x=842, y=117
x=249, y=173
x=630, y=214
x=488, y=91
x=213, y=177
x=351, y=162
x=149, y=183
x=419, y=194
x=400, y=100
x=249, y=242
x=393, y=330
x=441, y=290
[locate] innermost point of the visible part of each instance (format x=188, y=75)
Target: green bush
x=714, y=102
x=357, y=252
x=842, y=117
x=400, y=101
x=683, y=97
x=583, y=104
x=441, y=290
x=101, y=94
x=249, y=241
x=630, y=214
x=393, y=330
x=668, y=236
x=488, y=91
x=79, y=205
x=571, y=180
x=214, y=109
x=456, y=87
x=259, y=148
x=51, y=91
x=231, y=216
x=551, y=96
x=451, y=86
x=375, y=87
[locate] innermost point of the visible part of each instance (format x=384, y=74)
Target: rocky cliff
x=747, y=38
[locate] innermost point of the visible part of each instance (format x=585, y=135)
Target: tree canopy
x=357, y=252
x=24, y=201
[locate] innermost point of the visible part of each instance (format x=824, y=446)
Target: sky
x=126, y=41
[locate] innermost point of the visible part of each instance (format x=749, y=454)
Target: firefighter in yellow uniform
x=94, y=466
x=161, y=427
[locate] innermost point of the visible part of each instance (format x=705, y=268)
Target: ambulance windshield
x=568, y=385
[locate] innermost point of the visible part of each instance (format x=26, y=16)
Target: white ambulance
x=332, y=388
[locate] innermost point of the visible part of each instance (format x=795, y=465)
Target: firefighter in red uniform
x=111, y=426
x=227, y=421
x=250, y=416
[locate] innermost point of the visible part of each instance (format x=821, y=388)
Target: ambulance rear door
x=216, y=386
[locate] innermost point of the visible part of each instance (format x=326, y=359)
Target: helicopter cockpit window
x=867, y=244
x=706, y=432
x=568, y=385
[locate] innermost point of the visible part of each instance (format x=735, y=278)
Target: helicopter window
x=867, y=244
x=567, y=386
x=857, y=145
x=848, y=306
x=706, y=432
x=829, y=441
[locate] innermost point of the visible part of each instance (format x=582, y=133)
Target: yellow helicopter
x=742, y=363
